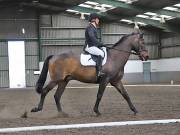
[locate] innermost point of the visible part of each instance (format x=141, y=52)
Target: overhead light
x=85, y=5
x=21, y=10
x=72, y=11
x=82, y=17
x=122, y=0
x=177, y=5
x=150, y=13
x=156, y=18
x=35, y=1
x=126, y=20
x=23, y=31
x=130, y=1
x=91, y=3
x=167, y=17
x=142, y=16
x=107, y=6
x=171, y=8
x=98, y=7
x=141, y=24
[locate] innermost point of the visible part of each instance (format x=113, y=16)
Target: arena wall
x=161, y=71
x=53, y=34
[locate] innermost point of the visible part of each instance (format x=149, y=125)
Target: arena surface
x=152, y=102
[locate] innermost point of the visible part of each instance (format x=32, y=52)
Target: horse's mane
x=122, y=39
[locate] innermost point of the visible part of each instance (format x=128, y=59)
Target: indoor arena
x=89, y=67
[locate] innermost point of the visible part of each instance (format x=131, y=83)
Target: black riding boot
x=99, y=66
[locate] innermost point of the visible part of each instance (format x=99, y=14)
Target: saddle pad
x=86, y=59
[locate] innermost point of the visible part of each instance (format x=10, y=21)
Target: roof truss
x=137, y=9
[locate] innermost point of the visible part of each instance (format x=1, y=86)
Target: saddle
x=87, y=59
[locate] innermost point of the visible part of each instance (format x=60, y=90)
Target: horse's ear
x=136, y=28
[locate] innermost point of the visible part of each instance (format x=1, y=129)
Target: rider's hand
x=101, y=45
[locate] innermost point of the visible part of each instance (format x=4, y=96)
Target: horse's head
x=138, y=43
x=139, y=47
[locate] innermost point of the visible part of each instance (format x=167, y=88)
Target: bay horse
x=66, y=66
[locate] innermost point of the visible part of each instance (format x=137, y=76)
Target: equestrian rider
x=92, y=45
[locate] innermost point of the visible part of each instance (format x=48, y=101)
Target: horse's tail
x=43, y=75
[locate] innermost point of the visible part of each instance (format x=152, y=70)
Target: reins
x=135, y=53
x=130, y=52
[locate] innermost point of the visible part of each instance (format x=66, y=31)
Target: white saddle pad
x=86, y=59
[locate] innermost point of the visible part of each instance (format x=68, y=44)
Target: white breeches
x=94, y=51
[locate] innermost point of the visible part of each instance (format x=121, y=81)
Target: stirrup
x=100, y=73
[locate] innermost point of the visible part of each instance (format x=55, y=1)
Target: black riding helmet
x=93, y=16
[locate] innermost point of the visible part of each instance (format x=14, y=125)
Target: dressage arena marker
x=87, y=125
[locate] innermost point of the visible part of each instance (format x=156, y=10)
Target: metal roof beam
x=138, y=9
x=43, y=6
x=63, y=3
x=164, y=26
x=157, y=24
x=117, y=4
x=88, y=10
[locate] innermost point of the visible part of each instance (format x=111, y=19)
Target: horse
x=66, y=66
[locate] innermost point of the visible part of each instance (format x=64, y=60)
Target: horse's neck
x=122, y=55
x=124, y=45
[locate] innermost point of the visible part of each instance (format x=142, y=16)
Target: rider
x=92, y=45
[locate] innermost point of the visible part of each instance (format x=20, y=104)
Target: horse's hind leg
x=58, y=94
x=45, y=90
x=119, y=86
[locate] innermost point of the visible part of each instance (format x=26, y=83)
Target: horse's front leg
x=119, y=86
x=101, y=89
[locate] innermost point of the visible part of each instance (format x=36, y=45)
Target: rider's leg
x=100, y=54
x=99, y=66
x=94, y=51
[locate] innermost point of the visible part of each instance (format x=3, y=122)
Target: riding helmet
x=93, y=16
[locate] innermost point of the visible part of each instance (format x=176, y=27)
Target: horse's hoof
x=24, y=115
x=135, y=112
x=98, y=114
x=35, y=109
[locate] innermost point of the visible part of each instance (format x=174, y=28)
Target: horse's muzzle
x=143, y=55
